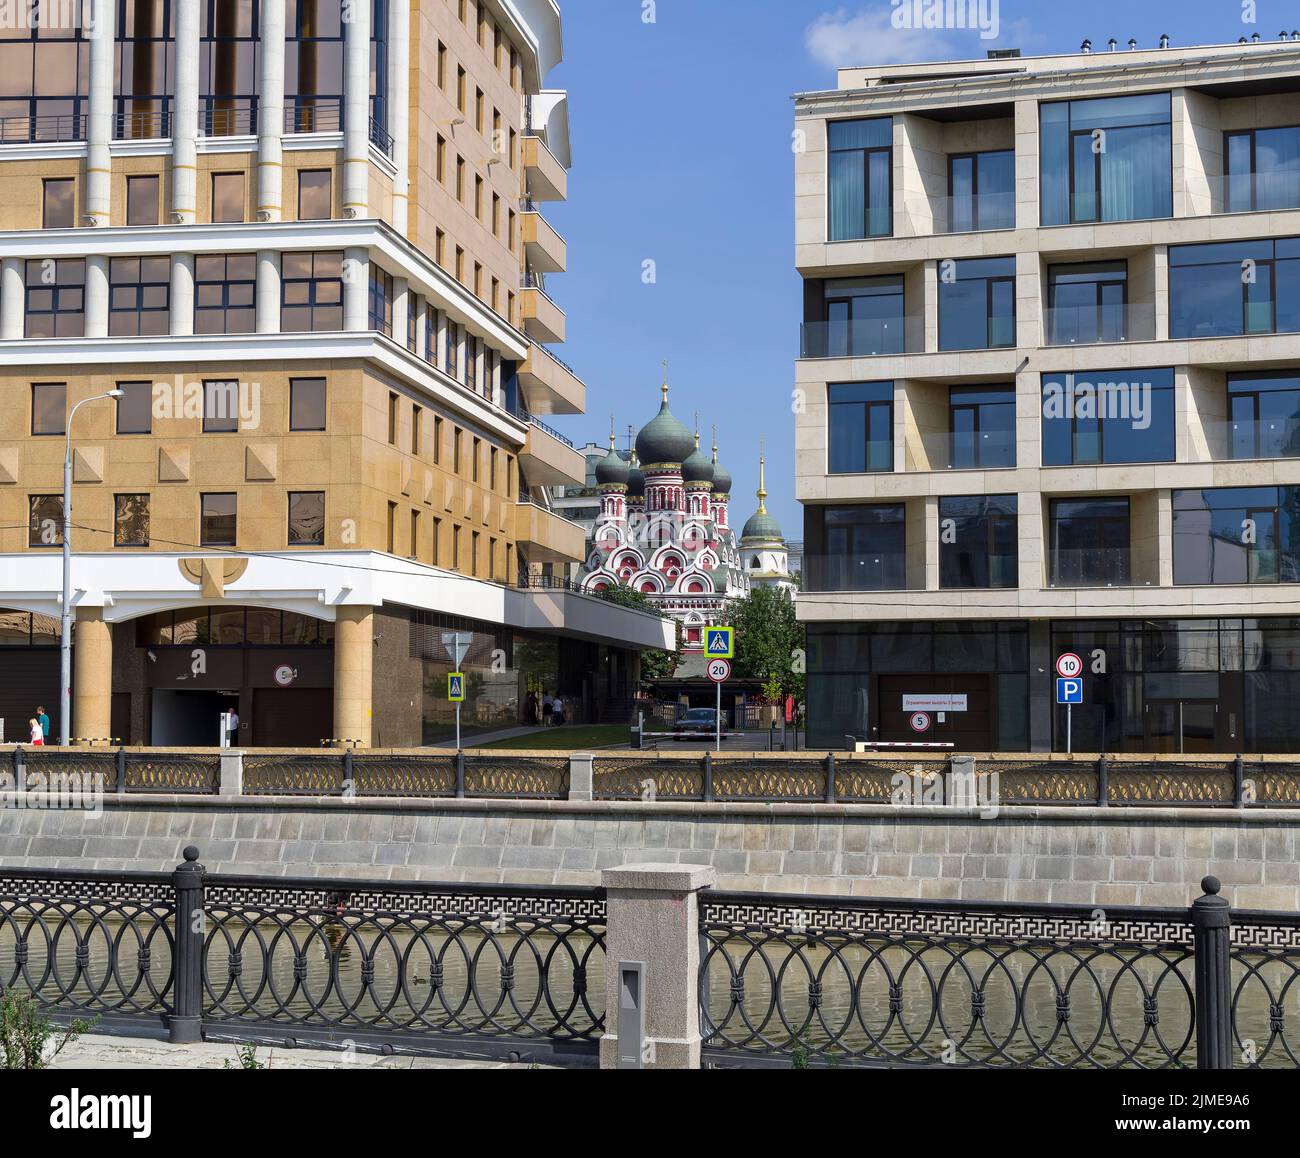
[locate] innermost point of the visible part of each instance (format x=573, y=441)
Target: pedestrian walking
x=37, y=736
x=44, y=721
x=557, y=711
x=232, y=724
x=547, y=710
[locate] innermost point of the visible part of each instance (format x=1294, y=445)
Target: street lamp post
x=65, y=634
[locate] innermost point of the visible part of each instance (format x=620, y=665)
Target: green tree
x=655, y=665
x=769, y=641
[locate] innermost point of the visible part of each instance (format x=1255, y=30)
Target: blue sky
x=681, y=156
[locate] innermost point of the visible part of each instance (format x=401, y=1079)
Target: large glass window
x=307, y=404
x=139, y=296
x=224, y=289
x=313, y=66
x=978, y=541
x=381, y=301
x=1090, y=542
x=221, y=406
x=1088, y=303
x=228, y=197
x=312, y=292
x=855, y=317
x=49, y=408
x=217, y=520
x=45, y=520
x=1109, y=159
x=44, y=74
x=58, y=203
x=306, y=518
x=1112, y=416
x=1232, y=288
x=1264, y=412
x=1263, y=169
x=130, y=520
x=861, y=178
x=135, y=408
x=145, y=68
x=315, y=198
x=228, y=67
x=142, y=200
x=860, y=422
x=982, y=427
x=56, y=298
x=1237, y=535
x=982, y=191
x=977, y=304
x=856, y=548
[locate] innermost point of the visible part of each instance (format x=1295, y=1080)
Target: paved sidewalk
x=101, y=1052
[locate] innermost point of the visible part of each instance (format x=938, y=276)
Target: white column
x=421, y=338
x=270, y=113
x=440, y=354
x=267, y=294
x=462, y=355
x=399, y=105
x=185, y=116
x=13, y=298
x=182, y=295
x=401, y=308
x=356, y=132
x=99, y=164
x=356, y=289
x=97, y=297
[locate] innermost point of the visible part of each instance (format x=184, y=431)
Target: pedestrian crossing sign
x=719, y=643
x=456, y=687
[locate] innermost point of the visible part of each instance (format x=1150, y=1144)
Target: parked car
x=697, y=723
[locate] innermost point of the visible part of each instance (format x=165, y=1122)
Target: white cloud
x=841, y=39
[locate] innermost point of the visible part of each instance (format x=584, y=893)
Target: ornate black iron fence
x=887, y=983
x=106, y=770
x=436, y=967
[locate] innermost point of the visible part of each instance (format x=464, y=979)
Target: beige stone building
x=1049, y=399
x=301, y=242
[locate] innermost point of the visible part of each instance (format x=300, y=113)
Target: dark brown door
x=292, y=717
x=969, y=731
x=120, y=717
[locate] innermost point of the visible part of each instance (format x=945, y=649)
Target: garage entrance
x=191, y=719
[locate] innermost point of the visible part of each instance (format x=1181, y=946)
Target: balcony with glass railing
x=858, y=571
x=977, y=213
x=1092, y=567
x=964, y=450
x=1223, y=440
x=862, y=338
x=1244, y=193
x=1099, y=324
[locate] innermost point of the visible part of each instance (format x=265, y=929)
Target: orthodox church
x=664, y=529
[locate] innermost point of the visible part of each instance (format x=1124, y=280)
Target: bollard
x=460, y=775
x=1103, y=782
x=654, y=922
x=1211, y=942
x=1238, y=781
x=830, y=777
x=708, y=777
x=186, y=1022
x=121, y=770
x=347, y=773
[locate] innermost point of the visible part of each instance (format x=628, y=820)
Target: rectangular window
x=861, y=169
x=457, y=439
x=306, y=518
x=1089, y=542
x=455, y=548
x=311, y=294
x=440, y=248
x=460, y=89
x=49, y=408
x=977, y=308
x=381, y=301
x=1263, y=410
x=1263, y=169
x=221, y=407
x=58, y=205
x=415, y=535
x=1234, y=288
x=45, y=520
x=306, y=403
x=142, y=200
x=217, y=520
x=1088, y=303
x=492, y=469
x=315, y=195
x=437, y=440
x=434, y=548
x=473, y=553
x=478, y=454
x=139, y=296
x=440, y=160
x=227, y=197
x=856, y=548
x=130, y=520
x=392, y=528
x=860, y=417
x=981, y=191
x=1107, y=159
x=981, y=428
x=855, y=317
x=228, y=67
x=56, y=308
x=1111, y=416
x=135, y=408
x=224, y=289
x=442, y=66
x=394, y=418
x=1236, y=535
x=417, y=419
x=978, y=542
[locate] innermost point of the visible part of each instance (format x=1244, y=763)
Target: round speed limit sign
x=919, y=721
x=1069, y=665
x=719, y=671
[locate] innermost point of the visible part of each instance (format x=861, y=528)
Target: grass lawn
x=568, y=739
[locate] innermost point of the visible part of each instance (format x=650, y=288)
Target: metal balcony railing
x=532, y=419
x=29, y=130
x=314, y=115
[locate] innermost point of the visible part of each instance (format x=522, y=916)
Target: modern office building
x=300, y=240
x=1050, y=384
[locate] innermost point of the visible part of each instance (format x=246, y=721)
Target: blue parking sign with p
x=456, y=687
x=719, y=642
x=1069, y=691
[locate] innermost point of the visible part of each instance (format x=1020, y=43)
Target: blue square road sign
x=1069, y=691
